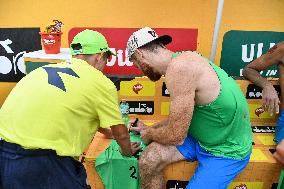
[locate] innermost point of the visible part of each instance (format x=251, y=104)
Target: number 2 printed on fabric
x=133, y=172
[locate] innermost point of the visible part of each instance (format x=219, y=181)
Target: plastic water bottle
x=124, y=109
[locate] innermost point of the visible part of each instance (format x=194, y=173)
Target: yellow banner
x=165, y=108
x=266, y=139
x=258, y=155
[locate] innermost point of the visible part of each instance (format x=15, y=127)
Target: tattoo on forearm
x=271, y=50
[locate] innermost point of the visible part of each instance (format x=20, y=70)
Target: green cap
x=92, y=42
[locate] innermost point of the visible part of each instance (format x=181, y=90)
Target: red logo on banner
x=242, y=186
x=259, y=111
x=183, y=39
x=137, y=87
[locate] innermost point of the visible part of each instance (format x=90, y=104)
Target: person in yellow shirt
x=52, y=115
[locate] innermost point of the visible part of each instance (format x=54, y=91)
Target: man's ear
x=97, y=56
x=139, y=53
x=100, y=55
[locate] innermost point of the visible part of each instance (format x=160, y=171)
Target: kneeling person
x=209, y=118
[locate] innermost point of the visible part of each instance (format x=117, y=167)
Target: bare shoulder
x=183, y=70
x=186, y=62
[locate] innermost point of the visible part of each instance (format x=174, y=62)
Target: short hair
x=153, y=46
x=76, y=46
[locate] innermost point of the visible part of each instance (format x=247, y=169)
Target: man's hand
x=270, y=100
x=146, y=135
x=138, y=128
x=273, y=57
x=279, y=154
x=135, y=147
x=121, y=135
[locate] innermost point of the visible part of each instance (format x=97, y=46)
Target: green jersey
x=223, y=127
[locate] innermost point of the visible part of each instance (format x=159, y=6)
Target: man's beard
x=150, y=72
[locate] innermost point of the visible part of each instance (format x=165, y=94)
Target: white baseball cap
x=142, y=37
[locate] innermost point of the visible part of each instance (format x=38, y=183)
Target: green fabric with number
x=117, y=171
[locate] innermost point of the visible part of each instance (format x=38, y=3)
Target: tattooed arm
x=274, y=56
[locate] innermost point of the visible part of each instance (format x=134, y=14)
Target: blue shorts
x=279, y=127
x=212, y=172
x=38, y=169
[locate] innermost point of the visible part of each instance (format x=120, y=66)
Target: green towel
x=117, y=171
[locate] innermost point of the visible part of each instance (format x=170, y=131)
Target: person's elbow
x=176, y=135
x=179, y=142
x=121, y=136
x=176, y=140
x=246, y=71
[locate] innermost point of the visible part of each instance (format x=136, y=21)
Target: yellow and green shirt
x=59, y=107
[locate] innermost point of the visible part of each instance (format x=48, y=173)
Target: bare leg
x=153, y=160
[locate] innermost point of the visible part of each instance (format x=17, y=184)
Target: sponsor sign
x=165, y=91
x=246, y=185
x=137, y=88
x=256, y=111
x=14, y=43
x=239, y=48
x=141, y=107
x=255, y=92
x=263, y=129
x=176, y=184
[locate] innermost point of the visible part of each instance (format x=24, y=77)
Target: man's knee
x=151, y=159
x=148, y=162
